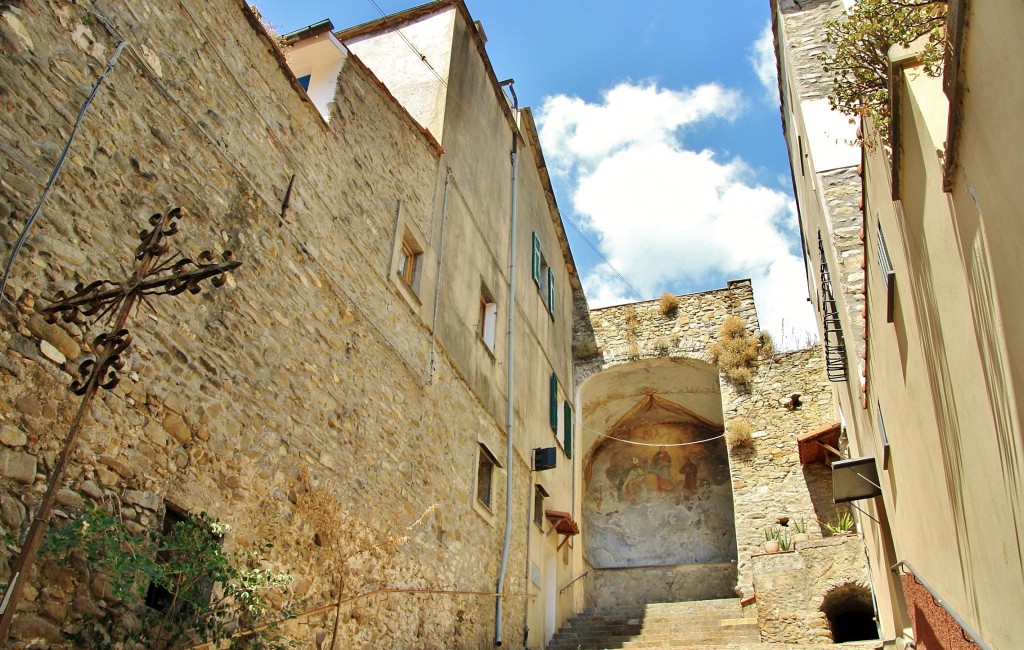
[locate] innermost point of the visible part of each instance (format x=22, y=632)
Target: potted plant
x=842, y=526
x=800, y=536
x=785, y=543
x=771, y=539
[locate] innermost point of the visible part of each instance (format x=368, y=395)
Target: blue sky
x=664, y=140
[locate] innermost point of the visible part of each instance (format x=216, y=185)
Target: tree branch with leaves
x=858, y=56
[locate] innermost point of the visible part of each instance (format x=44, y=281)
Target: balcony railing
x=835, y=349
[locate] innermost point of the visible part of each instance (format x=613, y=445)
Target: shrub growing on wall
x=205, y=592
x=735, y=351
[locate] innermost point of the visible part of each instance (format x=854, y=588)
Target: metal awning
x=855, y=479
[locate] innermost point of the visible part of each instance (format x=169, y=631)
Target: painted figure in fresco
x=661, y=465
x=633, y=481
x=689, y=472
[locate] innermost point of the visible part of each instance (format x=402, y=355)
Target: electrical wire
x=655, y=444
x=56, y=168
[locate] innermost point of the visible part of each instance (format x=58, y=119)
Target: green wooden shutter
x=553, y=402
x=536, y=259
x=551, y=292
x=567, y=409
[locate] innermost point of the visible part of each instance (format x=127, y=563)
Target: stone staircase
x=660, y=625
x=701, y=625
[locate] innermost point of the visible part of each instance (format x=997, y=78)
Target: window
x=883, y=436
x=304, y=82
x=488, y=318
x=888, y=275
x=543, y=277
x=408, y=263
x=567, y=429
x=485, y=477
x=551, y=292
x=553, y=402
x=159, y=597
x=539, y=493
x=535, y=267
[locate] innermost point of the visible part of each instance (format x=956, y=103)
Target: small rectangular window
x=408, y=265
x=553, y=402
x=567, y=427
x=551, y=292
x=488, y=318
x=539, y=493
x=888, y=276
x=535, y=266
x=883, y=435
x=485, y=477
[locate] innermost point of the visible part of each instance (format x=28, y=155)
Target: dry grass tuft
x=669, y=303
x=662, y=344
x=633, y=351
x=739, y=434
x=735, y=352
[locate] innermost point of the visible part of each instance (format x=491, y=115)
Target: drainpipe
x=437, y=276
x=509, y=384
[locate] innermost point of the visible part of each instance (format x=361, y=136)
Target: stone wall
x=791, y=587
x=804, y=20
x=769, y=483
x=307, y=370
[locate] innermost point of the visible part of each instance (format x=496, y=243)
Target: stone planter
x=771, y=546
x=800, y=538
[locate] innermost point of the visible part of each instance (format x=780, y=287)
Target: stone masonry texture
x=307, y=370
x=769, y=484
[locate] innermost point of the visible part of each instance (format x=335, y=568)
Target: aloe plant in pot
x=771, y=539
x=842, y=526
x=801, y=535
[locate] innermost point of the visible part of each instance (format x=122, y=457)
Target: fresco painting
x=659, y=503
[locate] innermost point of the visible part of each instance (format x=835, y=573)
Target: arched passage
x=850, y=613
x=657, y=494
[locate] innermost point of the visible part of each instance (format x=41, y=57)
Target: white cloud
x=577, y=133
x=762, y=57
x=666, y=217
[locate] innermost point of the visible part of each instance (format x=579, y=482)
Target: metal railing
x=832, y=329
x=574, y=580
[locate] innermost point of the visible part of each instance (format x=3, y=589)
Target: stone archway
x=657, y=513
x=850, y=613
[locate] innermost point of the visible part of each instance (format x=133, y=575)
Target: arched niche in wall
x=657, y=489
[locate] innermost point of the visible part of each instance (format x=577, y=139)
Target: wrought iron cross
x=156, y=273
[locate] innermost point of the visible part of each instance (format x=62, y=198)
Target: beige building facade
x=912, y=250
x=406, y=339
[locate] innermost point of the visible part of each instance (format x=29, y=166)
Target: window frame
x=539, y=494
x=485, y=459
x=487, y=326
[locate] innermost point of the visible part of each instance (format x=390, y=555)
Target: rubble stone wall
x=308, y=369
x=769, y=483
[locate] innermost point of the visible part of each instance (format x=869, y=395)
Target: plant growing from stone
x=669, y=303
x=735, y=351
x=771, y=533
x=800, y=526
x=858, y=58
x=739, y=434
x=205, y=592
x=347, y=538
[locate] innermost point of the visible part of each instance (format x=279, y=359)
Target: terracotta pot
x=771, y=546
x=800, y=538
